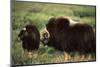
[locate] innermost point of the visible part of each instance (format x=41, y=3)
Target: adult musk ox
x=69, y=36
x=30, y=38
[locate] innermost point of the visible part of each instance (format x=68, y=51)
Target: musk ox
x=69, y=36
x=30, y=38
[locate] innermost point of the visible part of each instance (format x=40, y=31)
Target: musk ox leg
x=35, y=54
x=30, y=55
x=89, y=57
x=86, y=57
x=82, y=57
x=66, y=56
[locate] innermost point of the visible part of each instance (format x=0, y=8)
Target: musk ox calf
x=68, y=36
x=30, y=38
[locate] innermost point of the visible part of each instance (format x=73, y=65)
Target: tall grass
x=39, y=13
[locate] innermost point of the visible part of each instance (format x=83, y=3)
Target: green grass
x=39, y=14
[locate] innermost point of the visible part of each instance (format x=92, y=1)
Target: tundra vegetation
x=39, y=13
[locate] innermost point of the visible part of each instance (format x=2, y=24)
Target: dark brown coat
x=30, y=37
x=64, y=37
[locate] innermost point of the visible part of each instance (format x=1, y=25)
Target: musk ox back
x=30, y=38
x=69, y=37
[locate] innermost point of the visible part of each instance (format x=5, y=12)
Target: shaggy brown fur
x=30, y=38
x=71, y=38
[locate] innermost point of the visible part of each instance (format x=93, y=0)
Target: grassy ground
x=39, y=14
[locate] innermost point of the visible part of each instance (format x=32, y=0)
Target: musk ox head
x=52, y=26
x=28, y=30
x=58, y=22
